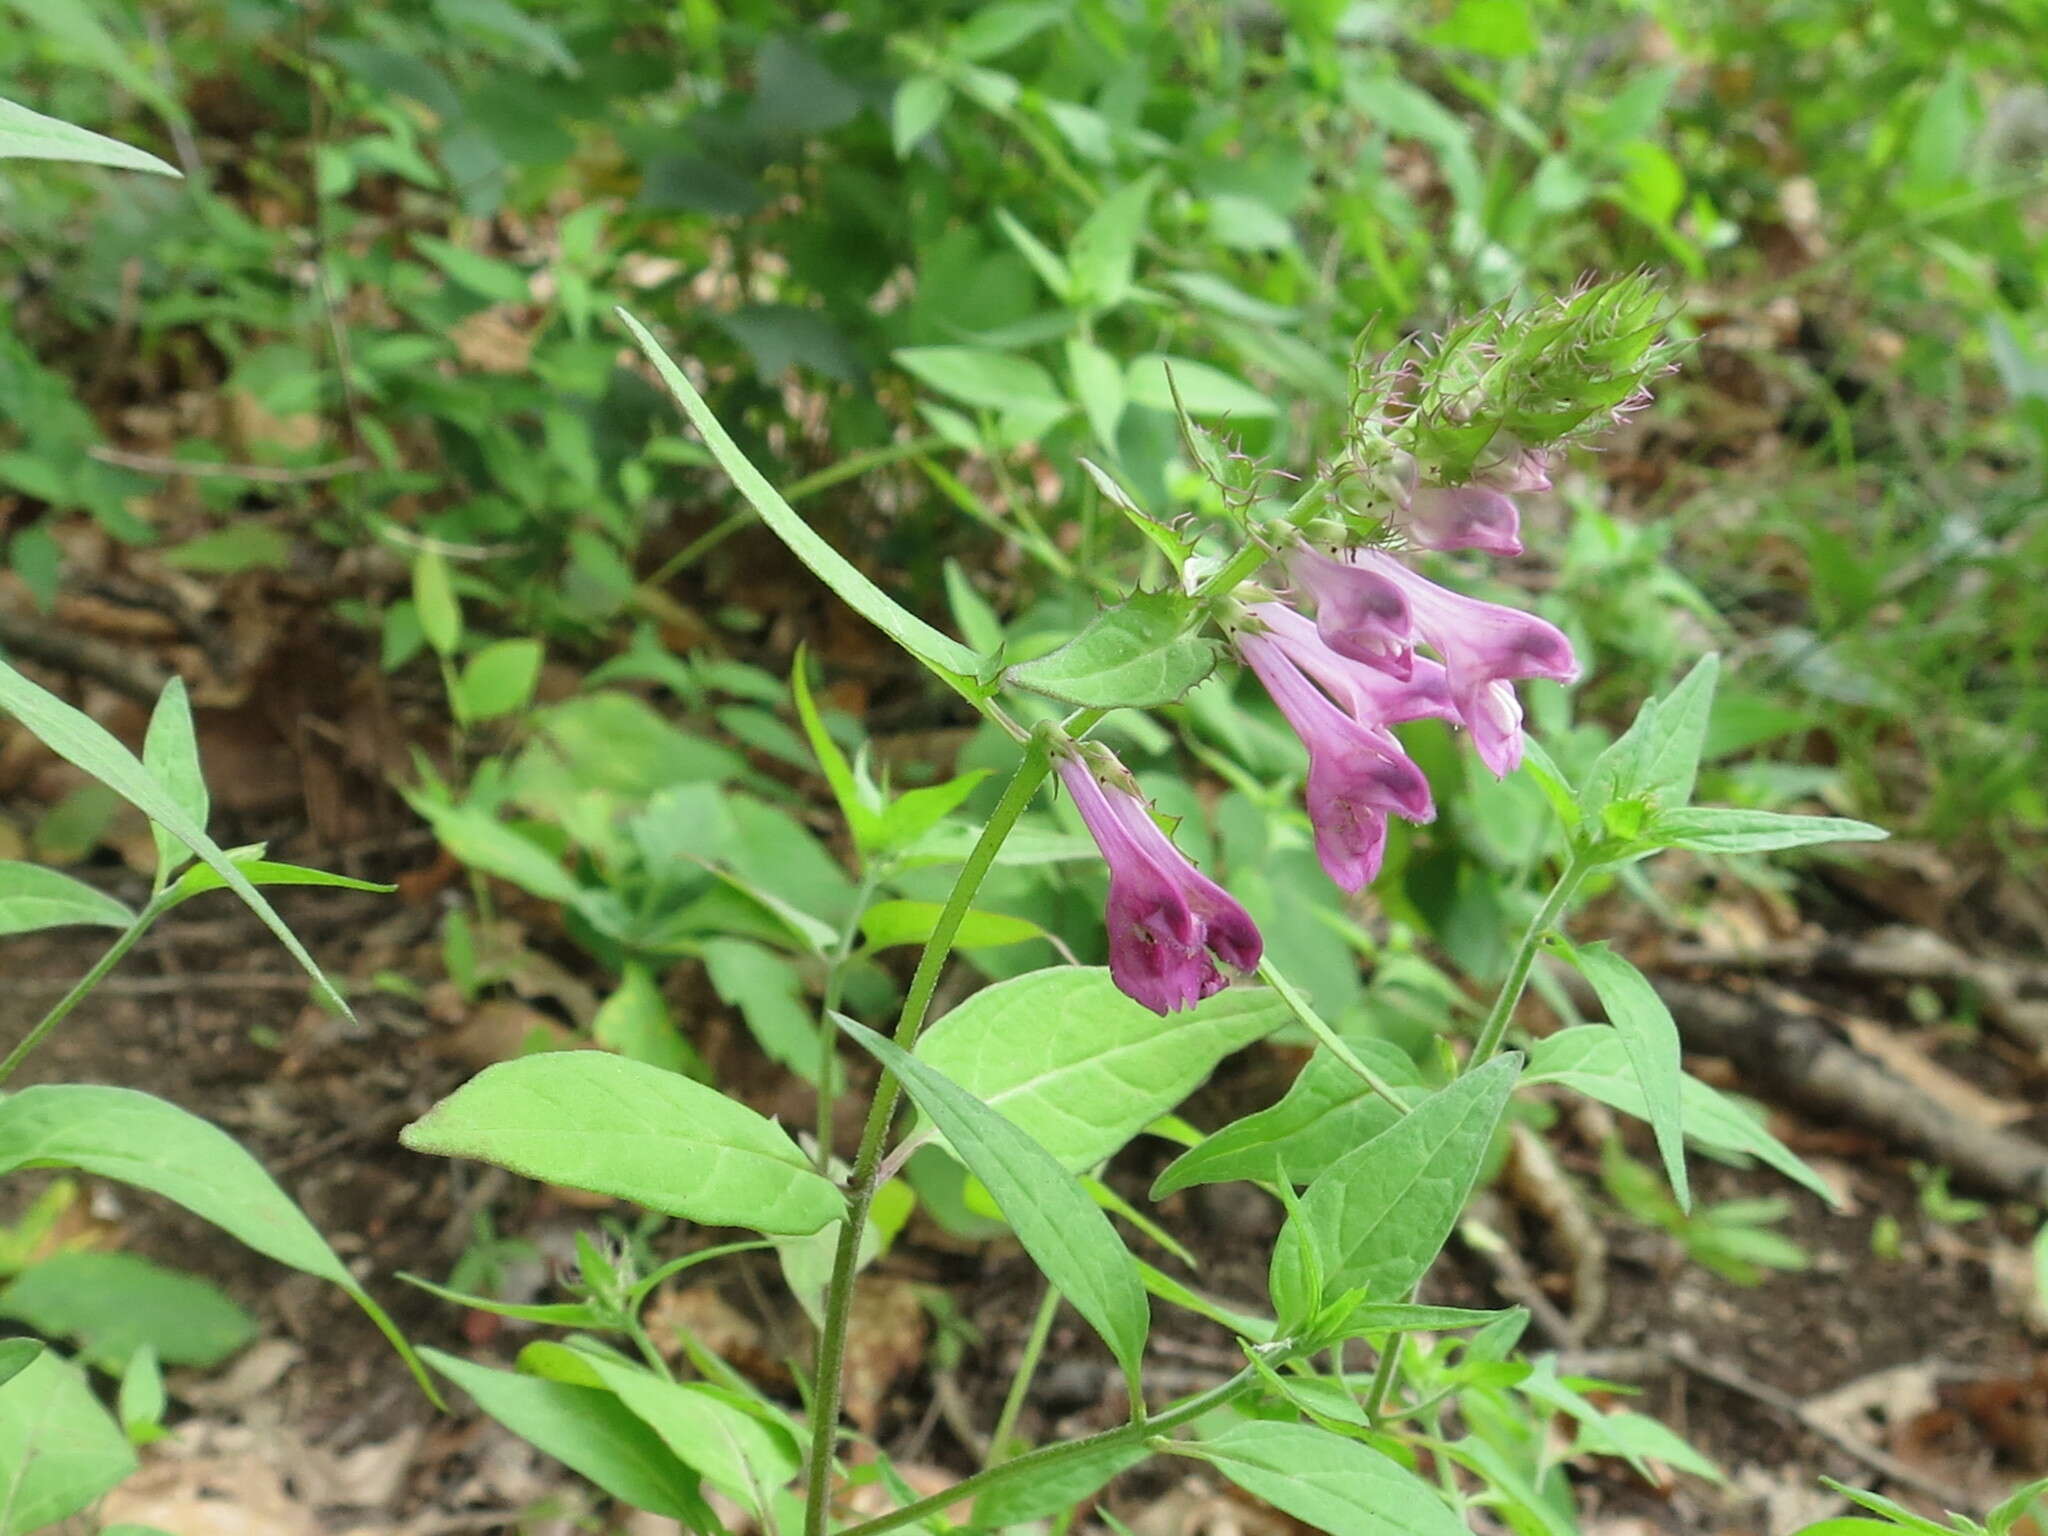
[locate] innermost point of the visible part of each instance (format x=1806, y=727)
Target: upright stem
x=1023, y=785
x=1495, y=1027
x=84, y=986
x=1491, y=1032
x=1020, y=1384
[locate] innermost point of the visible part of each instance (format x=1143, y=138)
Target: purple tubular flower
x=1359, y=613
x=1168, y=922
x=1371, y=697
x=1357, y=773
x=1484, y=647
x=1464, y=517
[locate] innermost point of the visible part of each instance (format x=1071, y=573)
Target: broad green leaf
x=889, y=923
x=995, y=381
x=1132, y=656
x=484, y=843
x=26, y=135
x=1657, y=757
x=920, y=102
x=1055, y=1489
x=1327, y=1482
x=170, y=750
x=1099, y=385
x=1104, y=247
x=34, y=896
x=1594, y=1060
x=59, y=1449
x=113, y=1304
x=85, y=743
x=915, y=812
x=589, y=1430
x=1637, y=1437
x=997, y=28
x=498, y=680
x=1714, y=829
x=434, y=600
x=1378, y=1215
x=732, y=1448
x=141, y=1140
x=1646, y=1028
x=201, y=878
x=769, y=994
x=594, y=1121
x=951, y=660
x=16, y=1356
x=635, y=1022
x=1079, y=1067
x=1326, y=1113
x=1204, y=389
x=1065, y=1233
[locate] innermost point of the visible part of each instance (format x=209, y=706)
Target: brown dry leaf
x=886, y=1335
x=217, y=1495
x=500, y=1030
x=701, y=1313
x=1908, y=1061
x=1863, y=1408
x=490, y=341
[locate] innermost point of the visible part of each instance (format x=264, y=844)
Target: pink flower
x=1358, y=773
x=1359, y=613
x=1464, y=517
x=1371, y=696
x=1484, y=648
x=1168, y=922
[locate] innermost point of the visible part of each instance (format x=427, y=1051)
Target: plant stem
x=1383, y=1373
x=1027, y=1367
x=85, y=984
x=1031, y=772
x=1048, y=1455
x=1495, y=1027
x=828, y=1033
x=1300, y=1007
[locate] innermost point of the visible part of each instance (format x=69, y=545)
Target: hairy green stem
x=92, y=978
x=1031, y=772
x=1495, y=1027
x=1020, y=1385
x=1136, y=1431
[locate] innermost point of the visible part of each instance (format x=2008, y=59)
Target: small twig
x=40, y=640
x=183, y=983
x=199, y=469
x=1535, y=1179
x=1903, y=954
x=1680, y=1351
x=1807, y=1066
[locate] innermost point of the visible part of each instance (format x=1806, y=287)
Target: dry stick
x=1798, y=1059
x=1681, y=1352
x=1901, y=953
x=263, y=474
x=38, y=639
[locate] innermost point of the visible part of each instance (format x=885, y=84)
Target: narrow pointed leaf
x=27, y=135
x=170, y=750
x=1327, y=1482
x=1063, y=1230
x=1648, y=1032
x=34, y=897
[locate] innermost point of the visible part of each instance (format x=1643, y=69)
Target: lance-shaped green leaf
x=170, y=750
x=1325, y=1114
x=1378, y=1216
x=34, y=897
x=1719, y=829
x=141, y=1140
x=85, y=743
x=951, y=660
x=1658, y=756
x=1063, y=1230
x=1079, y=1067
x=594, y=1121
x=201, y=878
x=731, y=1447
x=1593, y=1059
x=1325, y=1481
x=26, y=135
x=1132, y=656
x=589, y=1430
x=59, y=1449
x=1650, y=1036
x=889, y=923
